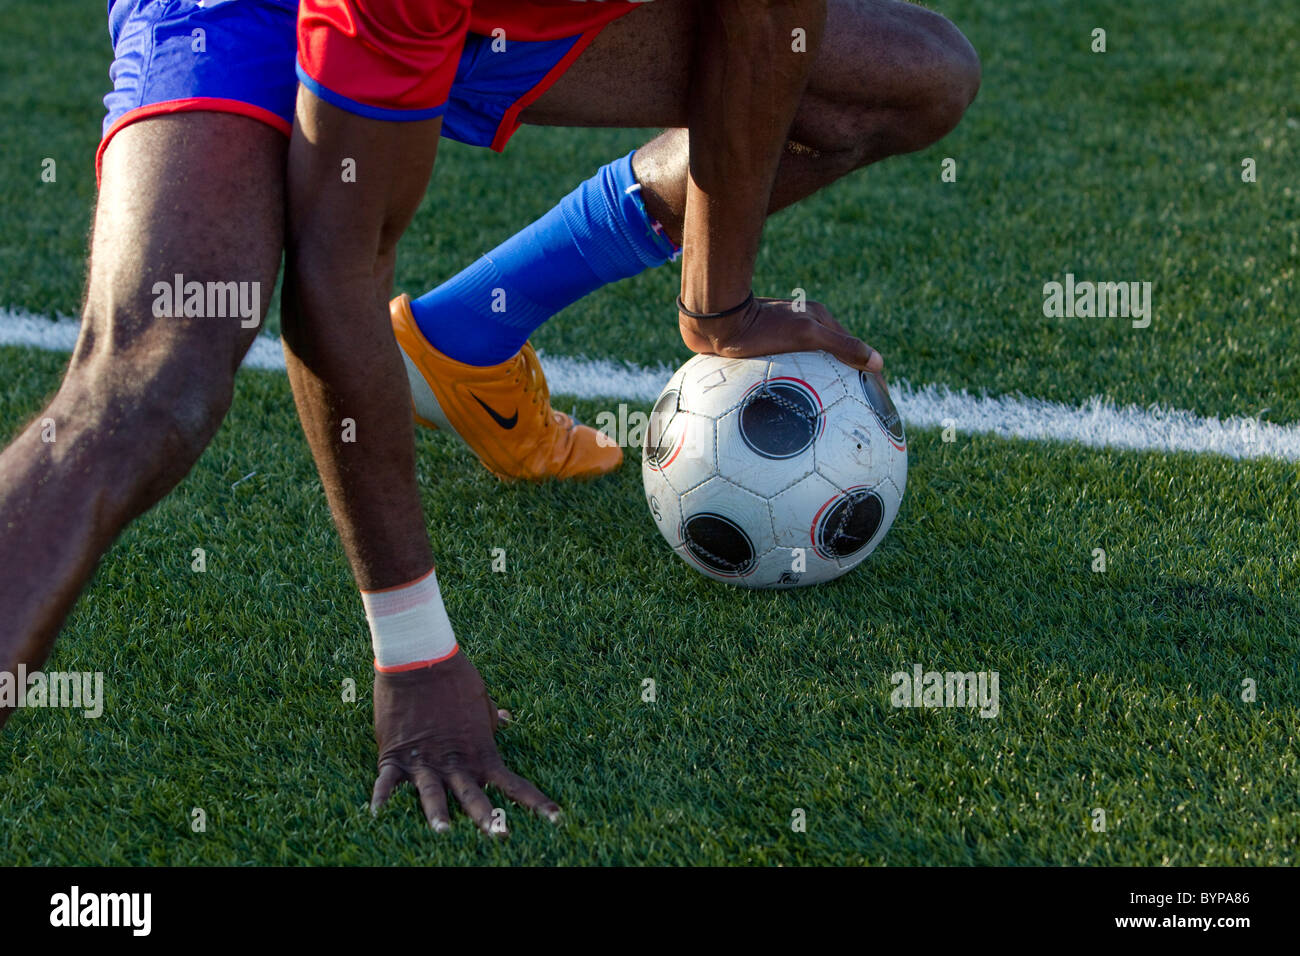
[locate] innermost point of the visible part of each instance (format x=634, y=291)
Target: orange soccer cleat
x=502, y=412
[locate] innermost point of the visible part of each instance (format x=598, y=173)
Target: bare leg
x=434, y=723
x=200, y=194
x=342, y=247
x=890, y=77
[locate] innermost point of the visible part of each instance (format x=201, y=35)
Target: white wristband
x=408, y=625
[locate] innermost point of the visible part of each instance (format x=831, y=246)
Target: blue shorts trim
x=364, y=109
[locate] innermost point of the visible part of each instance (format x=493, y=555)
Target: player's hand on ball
x=435, y=727
x=773, y=326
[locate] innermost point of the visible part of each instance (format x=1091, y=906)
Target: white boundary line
x=1096, y=422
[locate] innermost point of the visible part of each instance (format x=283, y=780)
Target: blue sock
x=596, y=235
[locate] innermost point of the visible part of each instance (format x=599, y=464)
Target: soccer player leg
x=888, y=77
x=371, y=96
x=465, y=341
x=186, y=245
x=598, y=234
x=193, y=199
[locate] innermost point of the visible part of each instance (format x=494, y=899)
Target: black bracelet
x=681, y=307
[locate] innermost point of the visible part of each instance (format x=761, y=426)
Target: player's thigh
x=348, y=227
x=190, y=197
x=635, y=73
x=885, y=54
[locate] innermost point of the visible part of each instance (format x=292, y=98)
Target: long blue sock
x=596, y=235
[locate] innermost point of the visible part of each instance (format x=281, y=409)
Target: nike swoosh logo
x=506, y=423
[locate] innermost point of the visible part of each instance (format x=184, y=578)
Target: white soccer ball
x=774, y=472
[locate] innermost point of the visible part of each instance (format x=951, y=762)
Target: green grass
x=1119, y=690
x=1114, y=166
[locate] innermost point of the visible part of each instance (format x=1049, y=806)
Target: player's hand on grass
x=435, y=729
x=772, y=326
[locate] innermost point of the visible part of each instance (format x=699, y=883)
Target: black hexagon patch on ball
x=718, y=544
x=780, y=418
x=665, y=430
x=848, y=523
x=877, y=396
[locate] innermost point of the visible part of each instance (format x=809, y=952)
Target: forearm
x=747, y=78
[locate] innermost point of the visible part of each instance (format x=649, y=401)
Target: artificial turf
x=1120, y=690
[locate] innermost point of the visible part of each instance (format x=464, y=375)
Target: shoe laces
x=529, y=373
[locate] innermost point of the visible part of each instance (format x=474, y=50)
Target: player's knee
x=319, y=269
x=161, y=416
x=954, y=75
x=916, y=103
x=150, y=404
x=188, y=420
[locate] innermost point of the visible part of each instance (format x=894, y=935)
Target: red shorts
x=396, y=59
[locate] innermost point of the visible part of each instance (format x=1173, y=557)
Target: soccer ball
x=774, y=472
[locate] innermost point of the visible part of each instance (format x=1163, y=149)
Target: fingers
x=475, y=803
x=497, y=715
x=523, y=792
x=846, y=348
x=390, y=775
x=825, y=332
x=433, y=798
x=823, y=315
x=875, y=361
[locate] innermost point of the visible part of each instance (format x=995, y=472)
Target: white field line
x=1096, y=422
